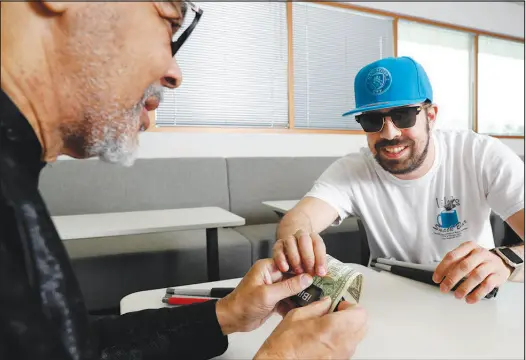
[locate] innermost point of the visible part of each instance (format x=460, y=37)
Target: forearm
x=170, y=333
x=293, y=221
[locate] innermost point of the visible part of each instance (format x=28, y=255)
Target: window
x=330, y=45
x=447, y=56
x=500, y=87
x=234, y=69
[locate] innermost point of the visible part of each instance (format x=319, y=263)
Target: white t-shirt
x=421, y=220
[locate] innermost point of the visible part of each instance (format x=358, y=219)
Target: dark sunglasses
x=402, y=118
x=176, y=45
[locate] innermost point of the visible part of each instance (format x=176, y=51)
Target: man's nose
x=390, y=131
x=173, y=77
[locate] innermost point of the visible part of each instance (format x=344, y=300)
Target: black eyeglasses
x=402, y=118
x=176, y=45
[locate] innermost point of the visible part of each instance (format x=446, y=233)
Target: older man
x=78, y=79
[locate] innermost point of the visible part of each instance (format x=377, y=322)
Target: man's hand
x=483, y=269
x=257, y=296
x=301, y=252
x=310, y=333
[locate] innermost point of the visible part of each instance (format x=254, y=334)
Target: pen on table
x=210, y=293
x=421, y=275
x=184, y=300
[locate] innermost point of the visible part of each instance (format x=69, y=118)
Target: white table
x=281, y=206
x=407, y=320
x=142, y=222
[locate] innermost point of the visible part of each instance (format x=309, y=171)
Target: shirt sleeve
x=333, y=187
x=186, y=332
x=504, y=180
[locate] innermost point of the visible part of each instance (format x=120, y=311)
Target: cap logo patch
x=378, y=81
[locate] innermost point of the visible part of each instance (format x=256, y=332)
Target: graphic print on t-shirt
x=447, y=223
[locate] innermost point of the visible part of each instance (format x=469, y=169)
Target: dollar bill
x=342, y=282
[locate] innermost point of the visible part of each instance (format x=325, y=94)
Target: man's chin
x=123, y=152
x=395, y=166
x=395, y=169
x=124, y=158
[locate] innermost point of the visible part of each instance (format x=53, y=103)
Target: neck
x=27, y=80
x=426, y=165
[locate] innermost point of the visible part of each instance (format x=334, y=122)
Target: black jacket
x=42, y=313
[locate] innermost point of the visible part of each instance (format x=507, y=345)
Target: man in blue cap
x=424, y=195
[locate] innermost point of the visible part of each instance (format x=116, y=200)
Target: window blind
x=234, y=69
x=330, y=46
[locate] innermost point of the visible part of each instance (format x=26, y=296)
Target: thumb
x=344, y=305
x=315, y=309
x=289, y=287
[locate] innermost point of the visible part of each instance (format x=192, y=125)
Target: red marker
x=187, y=300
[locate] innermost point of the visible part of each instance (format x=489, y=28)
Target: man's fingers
x=271, y=272
x=293, y=256
x=287, y=288
x=315, y=309
x=358, y=335
x=319, y=254
x=463, y=268
x=306, y=252
x=278, y=254
x=344, y=305
x=483, y=289
x=477, y=276
x=452, y=258
x=284, y=307
x=349, y=317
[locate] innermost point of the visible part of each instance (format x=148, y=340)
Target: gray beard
x=115, y=140
x=115, y=143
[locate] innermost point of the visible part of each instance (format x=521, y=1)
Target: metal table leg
x=212, y=254
x=280, y=214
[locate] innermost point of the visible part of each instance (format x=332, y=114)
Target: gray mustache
x=156, y=91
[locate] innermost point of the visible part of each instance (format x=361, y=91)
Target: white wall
x=498, y=17
x=245, y=145
x=516, y=145
x=505, y=18
x=155, y=145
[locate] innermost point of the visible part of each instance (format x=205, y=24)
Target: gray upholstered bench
x=112, y=267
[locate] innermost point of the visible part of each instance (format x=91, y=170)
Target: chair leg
x=364, y=245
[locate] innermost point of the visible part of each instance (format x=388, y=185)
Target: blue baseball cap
x=390, y=82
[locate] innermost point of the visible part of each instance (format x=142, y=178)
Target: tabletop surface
x=407, y=320
x=281, y=205
x=140, y=222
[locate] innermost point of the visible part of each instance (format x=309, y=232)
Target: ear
x=57, y=7
x=432, y=115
